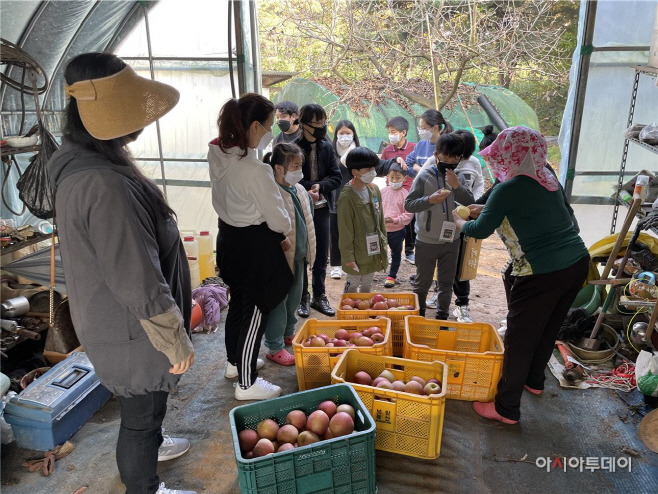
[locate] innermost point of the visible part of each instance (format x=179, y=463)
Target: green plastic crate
x=335, y=466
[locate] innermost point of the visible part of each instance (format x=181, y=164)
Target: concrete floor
x=474, y=455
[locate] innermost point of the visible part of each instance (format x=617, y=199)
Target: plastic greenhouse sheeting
x=608, y=97
x=371, y=128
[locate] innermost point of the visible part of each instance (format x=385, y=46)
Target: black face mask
x=284, y=125
x=319, y=132
x=443, y=166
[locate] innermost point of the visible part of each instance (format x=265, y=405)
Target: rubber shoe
x=389, y=282
x=336, y=273
x=164, y=490
x=282, y=357
x=411, y=259
x=321, y=304
x=172, y=447
x=533, y=390
x=463, y=314
x=231, y=370
x=431, y=303
x=260, y=390
x=288, y=340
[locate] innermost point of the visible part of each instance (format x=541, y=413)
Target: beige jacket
x=305, y=201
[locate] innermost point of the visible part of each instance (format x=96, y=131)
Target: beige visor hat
x=121, y=104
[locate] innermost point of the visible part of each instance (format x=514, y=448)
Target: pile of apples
x=377, y=302
x=343, y=338
x=327, y=422
x=386, y=380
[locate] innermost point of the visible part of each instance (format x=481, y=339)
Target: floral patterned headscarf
x=520, y=151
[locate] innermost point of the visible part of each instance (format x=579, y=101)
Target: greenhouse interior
x=161, y=169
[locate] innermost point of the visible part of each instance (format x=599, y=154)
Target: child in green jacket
x=361, y=226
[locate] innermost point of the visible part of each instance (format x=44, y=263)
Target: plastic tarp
x=608, y=97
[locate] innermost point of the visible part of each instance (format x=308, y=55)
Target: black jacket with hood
x=329, y=176
x=126, y=272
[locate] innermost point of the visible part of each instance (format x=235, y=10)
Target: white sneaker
x=164, y=490
x=431, y=303
x=502, y=330
x=260, y=390
x=463, y=314
x=336, y=273
x=172, y=447
x=231, y=370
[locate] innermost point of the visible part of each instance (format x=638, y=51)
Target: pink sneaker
x=533, y=390
x=282, y=357
x=488, y=411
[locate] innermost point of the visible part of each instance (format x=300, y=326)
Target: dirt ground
x=487, y=294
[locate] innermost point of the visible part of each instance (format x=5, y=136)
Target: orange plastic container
x=473, y=353
x=314, y=364
x=396, y=316
x=407, y=424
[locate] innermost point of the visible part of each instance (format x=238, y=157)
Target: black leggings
x=140, y=436
x=538, y=304
x=319, y=268
x=334, y=251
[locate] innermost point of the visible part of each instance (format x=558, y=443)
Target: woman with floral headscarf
x=530, y=199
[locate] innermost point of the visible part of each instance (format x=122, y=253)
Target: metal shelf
x=38, y=237
x=645, y=69
x=642, y=213
x=653, y=149
x=10, y=151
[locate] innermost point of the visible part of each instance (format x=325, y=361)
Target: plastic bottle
x=206, y=255
x=641, y=189
x=191, y=246
x=194, y=271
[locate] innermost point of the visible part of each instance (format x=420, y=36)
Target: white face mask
x=345, y=139
x=293, y=177
x=265, y=140
x=368, y=177
x=394, y=138
x=424, y=135
x=395, y=185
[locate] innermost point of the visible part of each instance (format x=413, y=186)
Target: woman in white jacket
x=253, y=224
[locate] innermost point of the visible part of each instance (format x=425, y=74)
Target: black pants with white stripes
x=245, y=326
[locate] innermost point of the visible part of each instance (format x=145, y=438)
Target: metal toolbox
x=57, y=404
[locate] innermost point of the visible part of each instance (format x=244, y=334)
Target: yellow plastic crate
x=314, y=364
x=472, y=351
x=396, y=316
x=407, y=424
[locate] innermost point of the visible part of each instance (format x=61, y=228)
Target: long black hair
x=95, y=66
x=349, y=125
x=237, y=115
x=434, y=117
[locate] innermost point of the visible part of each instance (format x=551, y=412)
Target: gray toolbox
x=57, y=404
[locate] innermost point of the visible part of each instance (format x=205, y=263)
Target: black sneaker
x=304, y=309
x=321, y=304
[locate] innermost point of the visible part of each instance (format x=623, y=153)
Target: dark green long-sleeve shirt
x=540, y=220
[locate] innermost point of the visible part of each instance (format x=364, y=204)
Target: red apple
x=364, y=341
x=432, y=389
x=355, y=336
x=340, y=343
x=347, y=307
x=324, y=337
x=392, y=303
x=342, y=334
x=419, y=380
x=378, y=337
x=317, y=342
x=385, y=384
x=363, y=377
x=378, y=380
x=378, y=298
x=349, y=301
x=364, y=305
x=380, y=306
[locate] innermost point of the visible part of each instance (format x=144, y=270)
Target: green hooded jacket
x=353, y=215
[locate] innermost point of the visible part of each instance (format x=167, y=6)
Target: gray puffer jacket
x=126, y=272
x=430, y=217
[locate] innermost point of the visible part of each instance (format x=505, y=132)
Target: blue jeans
x=395, y=241
x=281, y=323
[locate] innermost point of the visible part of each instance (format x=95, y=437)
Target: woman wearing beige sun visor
x=125, y=267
